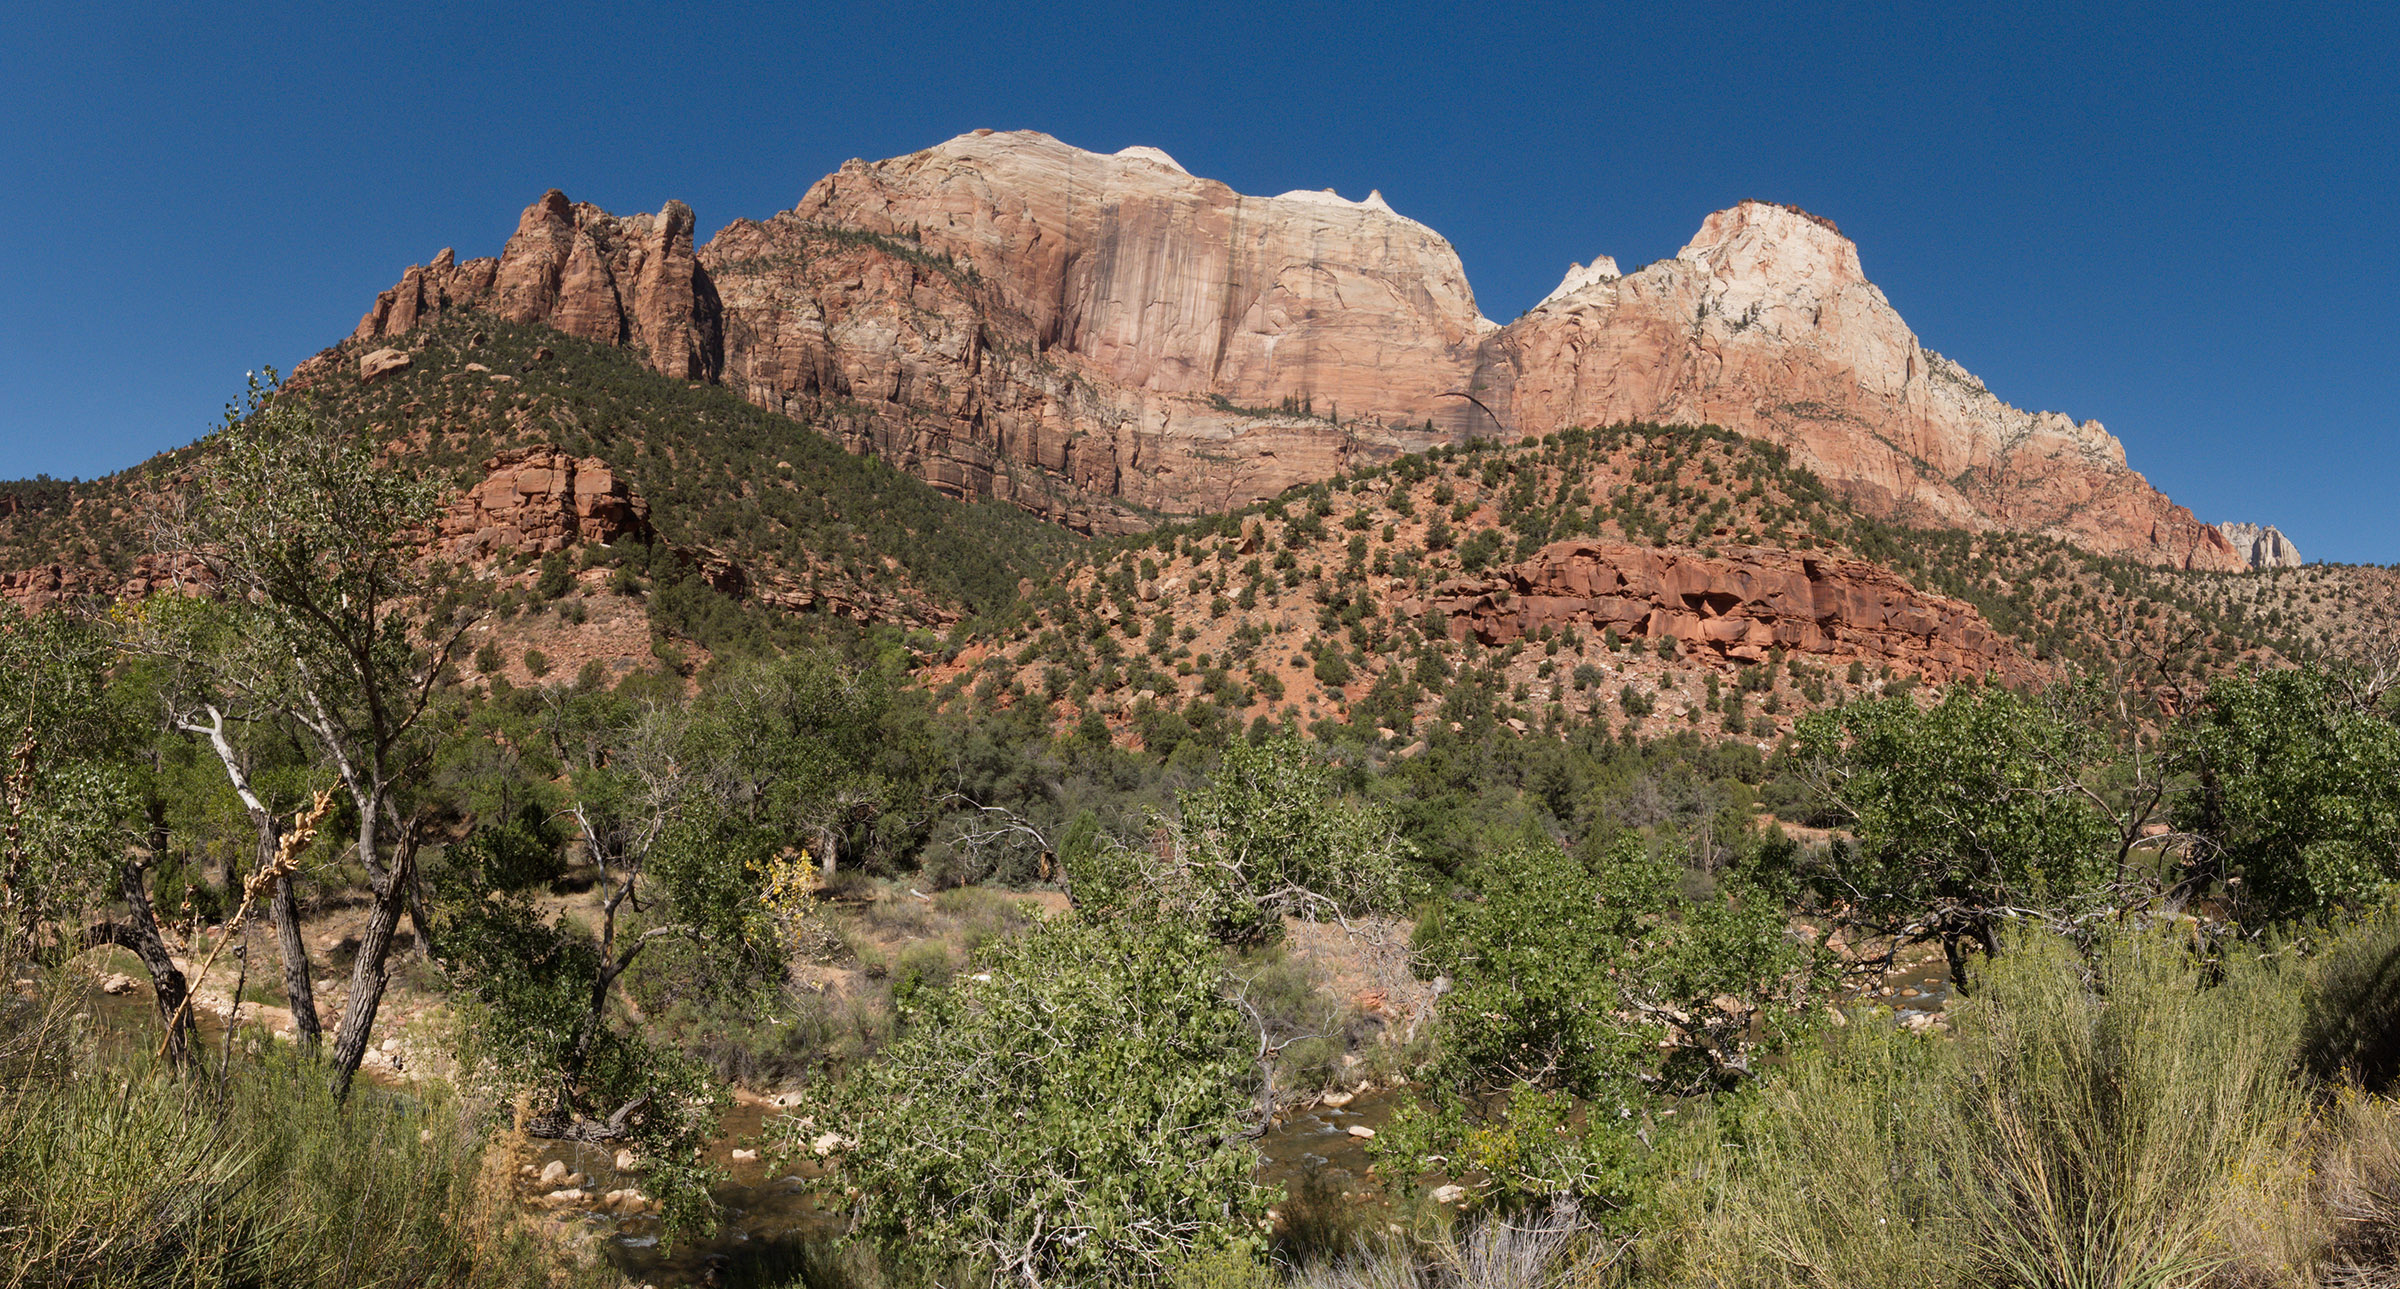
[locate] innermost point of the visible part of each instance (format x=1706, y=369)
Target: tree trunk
x=139, y=934
x=368, y=974
x=1955, y=951
x=299, y=989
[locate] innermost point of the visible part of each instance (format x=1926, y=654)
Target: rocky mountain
x=1642, y=577
x=2262, y=547
x=1102, y=339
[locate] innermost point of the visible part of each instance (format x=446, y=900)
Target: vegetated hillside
x=2317, y=610
x=752, y=518
x=1368, y=600
x=1312, y=607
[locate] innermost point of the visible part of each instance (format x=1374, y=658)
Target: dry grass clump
x=2117, y=1119
x=119, y=1170
x=2358, y=1197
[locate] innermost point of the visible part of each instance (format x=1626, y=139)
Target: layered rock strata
x=35, y=589
x=570, y=265
x=1741, y=605
x=1766, y=323
x=1102, y=338
x=534, y=500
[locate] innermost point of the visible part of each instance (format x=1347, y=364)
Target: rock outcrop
x=571, y=265
x=534, y=500
x=1739, y=605
x=35, y=589
x=2262, y=547
x=1101, y=337
x=378, y=363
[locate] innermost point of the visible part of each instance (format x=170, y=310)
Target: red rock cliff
x=1094, y=336
x=1738, y=605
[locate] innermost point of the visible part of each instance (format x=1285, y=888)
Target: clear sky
x=2178, y=219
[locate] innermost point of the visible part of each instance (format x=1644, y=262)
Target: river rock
x=116, y=984
x=1451, y=1194
x=553, y=1173
x=1361, y=1131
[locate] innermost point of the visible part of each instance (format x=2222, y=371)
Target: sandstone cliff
x=2262, y=547
x=535, y=500
x=1766, y=323
x=1100, y=338
x=1741, y=605
x=573, y=266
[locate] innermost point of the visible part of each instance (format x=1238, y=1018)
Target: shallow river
x=769, y=1215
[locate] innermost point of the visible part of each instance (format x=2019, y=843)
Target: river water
x=770, y=1215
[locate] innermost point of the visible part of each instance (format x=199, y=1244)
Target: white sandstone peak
x=1143, y=152
x=1774, y=242
x=1603, y=268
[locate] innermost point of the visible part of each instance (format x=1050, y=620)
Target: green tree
x=541, y=998
x=1270, y=835
x=310, y=539
x=797, y=745
x=68, y=847
x=664, y=802
x=1071, y=1110
x=1599, y=985
x=1965, y=814
x=2294, y=791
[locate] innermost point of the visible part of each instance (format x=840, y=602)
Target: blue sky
x=2177, y=219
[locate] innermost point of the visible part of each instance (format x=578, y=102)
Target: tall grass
x=2115, y=1119
x=2114, y=1111
x=2351, y=1032
x=119, y=1171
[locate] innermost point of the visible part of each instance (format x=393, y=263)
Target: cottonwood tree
x=201, y=644
x=697, y=820
x=311, y=542
x=1964, y=815
x=67, y=846
x=792, y=745
x=2294, y=797
x=1596, y=984
x=1270, y=835
x=1073, y=1109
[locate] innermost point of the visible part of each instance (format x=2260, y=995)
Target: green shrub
x=1071, y=1112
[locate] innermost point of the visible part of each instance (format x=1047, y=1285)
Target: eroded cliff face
x=534, y=500
x=1743, y=604
x=1766, y=323
x=2263, y=547
x=1098, y=338
x=573, y=266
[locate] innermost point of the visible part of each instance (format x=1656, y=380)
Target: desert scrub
x=116, y=1170
x=2110, y=1119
